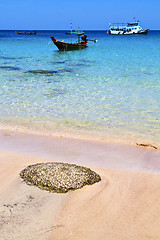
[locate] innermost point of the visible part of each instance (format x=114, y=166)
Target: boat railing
x=124, y=24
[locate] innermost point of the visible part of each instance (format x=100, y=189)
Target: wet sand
x=124, y=205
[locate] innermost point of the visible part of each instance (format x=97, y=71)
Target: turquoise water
x=110, y=89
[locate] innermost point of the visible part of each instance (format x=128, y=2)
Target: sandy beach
x=124, y=205
x=87, y=120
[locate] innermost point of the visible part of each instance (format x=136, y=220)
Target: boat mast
x=71, y=32
x=78, y=34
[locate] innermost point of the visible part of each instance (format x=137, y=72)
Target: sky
x=85, y=14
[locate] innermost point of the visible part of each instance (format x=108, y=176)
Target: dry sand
x=124, y=205
x=25, y=212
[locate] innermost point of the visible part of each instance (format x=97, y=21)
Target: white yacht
x=126, y=28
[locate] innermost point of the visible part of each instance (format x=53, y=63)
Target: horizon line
x=61, y=29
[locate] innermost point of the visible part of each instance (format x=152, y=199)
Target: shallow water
x=109, y=90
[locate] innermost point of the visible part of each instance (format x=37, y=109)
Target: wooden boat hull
x=63, y=46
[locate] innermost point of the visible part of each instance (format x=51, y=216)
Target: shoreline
x=73, y=150
x=129, y=190
x=111, y=135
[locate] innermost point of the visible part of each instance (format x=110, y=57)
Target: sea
x=107, y=91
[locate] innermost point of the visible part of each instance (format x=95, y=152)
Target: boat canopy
x=75, y=32
x=131, y=24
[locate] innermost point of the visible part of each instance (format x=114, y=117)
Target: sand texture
x=26, y=212
x=125, y=205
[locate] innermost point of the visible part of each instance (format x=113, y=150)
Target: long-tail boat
x=80, y=44
x=27, y=33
